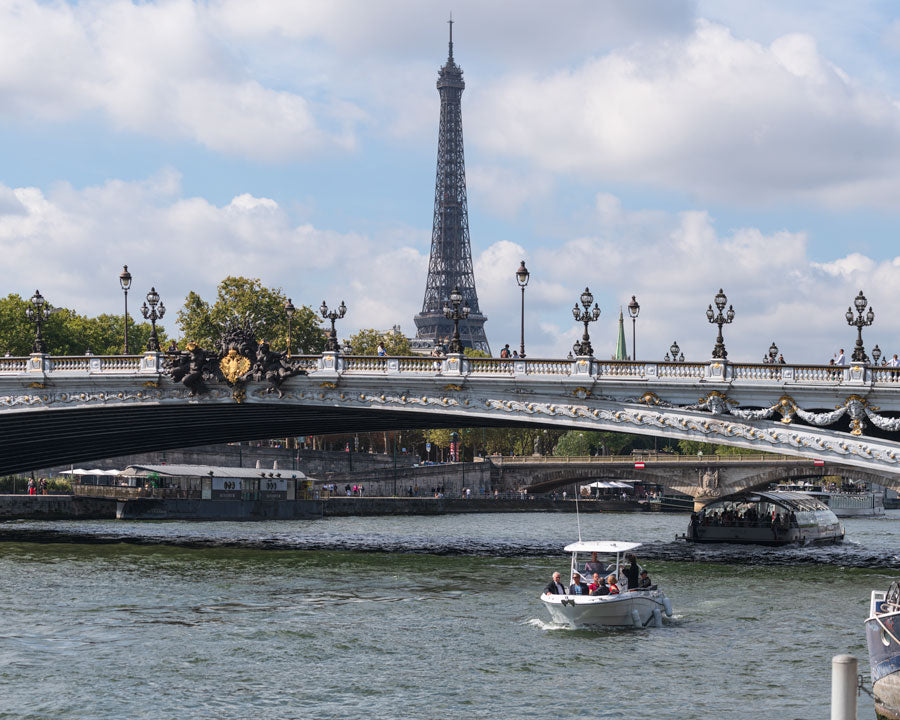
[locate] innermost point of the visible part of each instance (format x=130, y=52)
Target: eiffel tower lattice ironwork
x=450, y=265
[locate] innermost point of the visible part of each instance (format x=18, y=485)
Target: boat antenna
x=577, y=513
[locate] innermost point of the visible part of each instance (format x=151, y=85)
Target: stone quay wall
x=476, y=476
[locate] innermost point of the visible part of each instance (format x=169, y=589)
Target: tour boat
x=882, y=633
x=765, y=518
x=630, y=608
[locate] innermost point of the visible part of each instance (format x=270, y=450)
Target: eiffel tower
x=450, y=265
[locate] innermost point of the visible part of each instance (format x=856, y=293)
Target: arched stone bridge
x=703, y=478
x=57, y=410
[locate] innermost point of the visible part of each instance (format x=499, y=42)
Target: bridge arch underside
x=37, y=436
x=689, y=480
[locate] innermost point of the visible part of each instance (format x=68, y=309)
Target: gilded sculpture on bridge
x=238, y=359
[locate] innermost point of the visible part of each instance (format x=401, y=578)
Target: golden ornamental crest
x=233, y=366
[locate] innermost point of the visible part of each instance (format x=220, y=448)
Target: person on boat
x=594, y=565
x=644, y=581
x=578, y=586
x=555, y=587
x=598, y=587
x=611, y=585
x=632, y=571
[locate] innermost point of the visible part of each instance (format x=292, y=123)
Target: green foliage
x=240, y=297
x=473, y=353
x=365, y=342
x=587, y=442
x=68, y=333
x=692, y=447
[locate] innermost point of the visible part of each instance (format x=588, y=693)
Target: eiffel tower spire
x=450, y=265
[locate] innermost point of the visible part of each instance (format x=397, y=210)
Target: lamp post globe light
x=125, y=284
x=155, y=312
x=773, y=353
x=634, y=309
x=289, y=310
x=37, y=311
x=586, y=316
x=522, y=277
x=674, y=350
x=454, y=312
x=720, y=319
x=860, y=321
x=332, y=344
x=876, y=354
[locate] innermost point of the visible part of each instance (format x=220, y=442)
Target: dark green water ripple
x=207, y=621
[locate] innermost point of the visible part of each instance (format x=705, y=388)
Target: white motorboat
x=631, y=608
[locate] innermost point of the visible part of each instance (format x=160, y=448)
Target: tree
x=67, y=333
x=365, y=342
x=473, y=353
x=239, y=298
x=590, y=442
x=692, y=447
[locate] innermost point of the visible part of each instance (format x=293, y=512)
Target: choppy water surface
x=415, y=617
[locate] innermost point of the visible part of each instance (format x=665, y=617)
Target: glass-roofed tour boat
x=631, y=608
x=765, y=518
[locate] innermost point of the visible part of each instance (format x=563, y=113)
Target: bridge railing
x=767, y=458
x=855, y=374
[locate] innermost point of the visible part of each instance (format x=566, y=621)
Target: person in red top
x=611, y=584
x=598, y=587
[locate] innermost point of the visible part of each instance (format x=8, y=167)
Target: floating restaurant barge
x=765, y=518
x=882, y=632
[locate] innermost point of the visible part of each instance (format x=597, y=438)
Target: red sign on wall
x=639, y=465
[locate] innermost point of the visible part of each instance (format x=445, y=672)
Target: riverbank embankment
x=69, y=507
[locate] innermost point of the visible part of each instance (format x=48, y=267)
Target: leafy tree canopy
x=240, y=297
x=473, y=353
x=365, y=342
x=68, y=333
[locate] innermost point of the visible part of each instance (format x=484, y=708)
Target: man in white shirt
x=894, y=362
x=840, y=359
x=555, y=587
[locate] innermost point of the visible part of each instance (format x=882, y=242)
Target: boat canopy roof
x=791, y=500
x=604, y=546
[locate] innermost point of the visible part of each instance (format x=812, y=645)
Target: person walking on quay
x=31, y=486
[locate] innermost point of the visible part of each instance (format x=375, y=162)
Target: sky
x=656, y=149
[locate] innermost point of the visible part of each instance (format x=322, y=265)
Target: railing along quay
x=760, y=458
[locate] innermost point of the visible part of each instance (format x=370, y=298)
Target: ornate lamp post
x=522, y=277
x=455, y=313
x=720, y=320
x=332, y=345
x=876, y=354
x=125, y=284
x=289, y=311
x=633, y=311
x=773, y=353
x=587, y=316
x=37, y=312
x=860, y=302
x=675, y=350
x=153, y=314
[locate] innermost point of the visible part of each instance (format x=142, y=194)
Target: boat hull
x=884, y=659
x=587, y=611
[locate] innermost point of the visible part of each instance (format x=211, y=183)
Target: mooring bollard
x=843, y=687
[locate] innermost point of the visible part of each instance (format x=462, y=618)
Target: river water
x=416, y=617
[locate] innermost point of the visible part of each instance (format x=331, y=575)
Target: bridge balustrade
x=492, y=366
x=13, y=364
x=549, y=367
x=681, y=370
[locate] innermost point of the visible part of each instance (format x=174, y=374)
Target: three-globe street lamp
x=332, y=344
x=587, y=316
x=153, y=313
x=676, y=354
x=454, y=312
x=721, y=319
x=37, y=312
x=125, y=284
x=860, y=302
x=522, y=277
x=289, y=311
x=633, y=310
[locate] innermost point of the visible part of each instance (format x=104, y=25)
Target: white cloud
x=720, y=117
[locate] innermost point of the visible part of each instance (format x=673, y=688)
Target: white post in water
x=843, y=687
